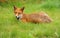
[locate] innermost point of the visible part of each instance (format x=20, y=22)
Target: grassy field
x=12, y=28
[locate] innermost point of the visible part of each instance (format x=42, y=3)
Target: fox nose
x=17, y=17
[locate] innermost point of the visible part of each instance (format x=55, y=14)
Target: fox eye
x=15, y=12
x=18, y=13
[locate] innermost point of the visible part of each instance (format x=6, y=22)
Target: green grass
x=12, y=28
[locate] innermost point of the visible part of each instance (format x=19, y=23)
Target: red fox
x=35, y=17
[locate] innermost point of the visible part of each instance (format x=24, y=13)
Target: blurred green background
x=12, y=28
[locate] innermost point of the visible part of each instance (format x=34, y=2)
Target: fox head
x=18, y=12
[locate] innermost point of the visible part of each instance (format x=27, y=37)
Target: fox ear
x=22, y=8
x=14, y=7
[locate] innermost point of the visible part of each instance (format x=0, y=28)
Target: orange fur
x=35, y=17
